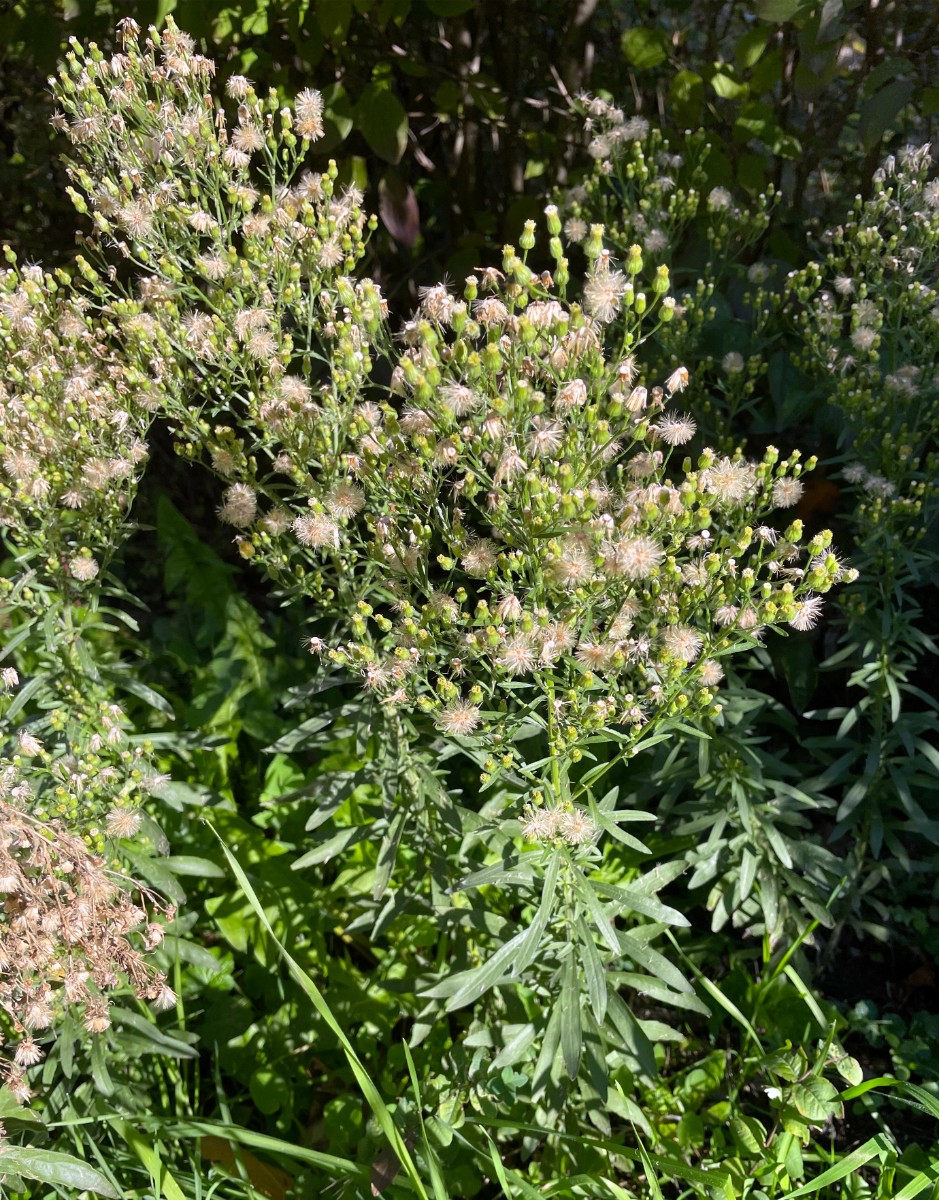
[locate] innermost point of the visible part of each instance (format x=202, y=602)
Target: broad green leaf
x=338, y=118
x=850, y=1070
x=333, y=17
x=687, y=96
x=816, y=1099
x=383, y=122
x=749, y=1134
x=187, y=864
x=728, y=88
x=56, y=1170
x=644, y=48
x=878, y=112
x=750, y=47
x=778, y=11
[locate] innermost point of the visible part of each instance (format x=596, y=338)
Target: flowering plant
x=502, y=539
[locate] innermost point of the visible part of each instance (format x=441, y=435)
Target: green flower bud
x=593, y=247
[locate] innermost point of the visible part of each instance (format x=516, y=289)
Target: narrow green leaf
x=572, y=1033
x=635, y=901
x=628, y=1028
x=726, y=1004
x=655, y=963
x=602, y=918
x=515, y=1048
x=145, y=1149
x=807, y=998
x=524, y=1187
x=276, y=1147
x=515, y=956
x=928, y=1177
x=594, y=971
x=873, y=1148
x=367, y=1087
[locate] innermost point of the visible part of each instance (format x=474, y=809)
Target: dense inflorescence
x=71, y=928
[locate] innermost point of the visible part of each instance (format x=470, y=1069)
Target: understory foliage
x=419, y=713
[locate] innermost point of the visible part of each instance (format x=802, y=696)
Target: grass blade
x=362, y=1078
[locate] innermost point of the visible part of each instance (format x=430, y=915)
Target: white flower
x=807, y=613
x=675, y=430
x=863, y=338
x=632, y=558
x=787, y=492
x=316, y=531
x=459, y=718
x=603, y=295
x=677, y=381
x=83, y=567
x=682, y=642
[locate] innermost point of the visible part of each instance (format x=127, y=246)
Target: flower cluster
x=869, y=317
x=71, y=929
x=74, y=413
x=646, y=194
x=547, y=557
x=246, y=271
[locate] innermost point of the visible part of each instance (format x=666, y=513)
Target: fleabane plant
x=74, y=929
x=868, y=315
x=75, y=407
x=77, y=393
x=550, y=550
x=521, y=548
x=563, y=581
x=646, y=192
x=243, y=259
